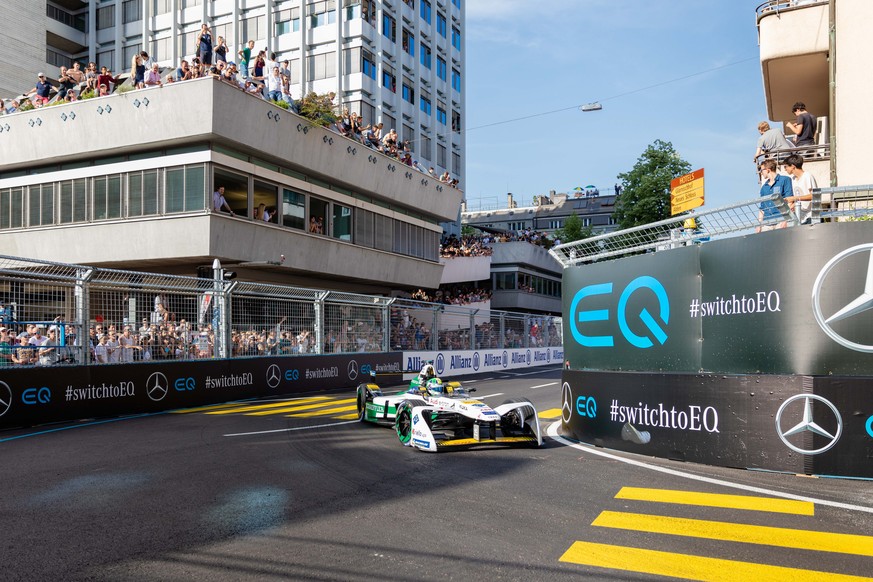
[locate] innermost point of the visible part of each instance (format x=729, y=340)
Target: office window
x=287, y=21
x=321, y=66
x=426, y=58
x=456, y=163
x=389, y=27
x=127, y=55
x=41, y=204
x=12, y=207
x=321, y=13
x=425, y=11
x=131, y=11
x=441, y=114
x=143, y=193
x=441, y=155
x=408, y=42
x=293, y=209
x=457, y=3
x=441, y=68
x=342, y=222
x=456, y=121
x=456, y=38
x=318, y=223
x=107, y=197
x=389, y=80
x=190, y=3
x=162, y=6
x=424, y=104
x=456, y=80
x=409, y=135
x=368, y=64
x=186, y=190
x=160, y=48
x=389, y=123
x=408, y=92
x=441, y=24
x=425, y=148
x=106, y=59
x=253, y=28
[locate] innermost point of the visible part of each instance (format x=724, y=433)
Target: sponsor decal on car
x=375, y=407
x=421, y=443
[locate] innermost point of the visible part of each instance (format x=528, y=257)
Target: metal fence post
x=526, y=331
x=83, y=316
x=435, y=327
x=502, y=335
x=226, y=318
x=386, y=324
x=472, y=345
x=318, y=323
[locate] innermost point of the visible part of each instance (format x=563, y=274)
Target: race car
x=433, y=416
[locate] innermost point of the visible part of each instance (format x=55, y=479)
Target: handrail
x=784, y=5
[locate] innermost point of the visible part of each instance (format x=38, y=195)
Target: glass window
x=368, y=64
x=457, y=3
x=441, y=116
x=342, y=222
x=317, y=216
x=363, y=228
x=254, y=28
x=321, y=13
x=425, y=55
x=195, y=188
x=441, y=68
x=441, y=25
x=236, y=190
x=441, y=155
x=107, y=197
x=131, y=11
x=408, y=93
x=105, y=17
x=264, y=194
x=456, y=121
x=162, y=6
x=106, y=59
x=425, y=11
x=424, y=105
x=73, y=201
x=408, y=43
x=12, y=208
x=142, y=193
x=293, y=209
x=389, y=81
x=456, y=80
x=322, y=66
x=456, y=38
x=389, y=27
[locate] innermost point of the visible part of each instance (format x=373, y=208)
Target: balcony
x=794, y=44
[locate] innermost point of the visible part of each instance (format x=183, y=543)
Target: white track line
x=488, y=395
x=552, y=431
x=544, y=385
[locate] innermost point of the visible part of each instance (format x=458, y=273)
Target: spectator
x=184, y=72
x=204, y=43
x=274, y=85
x=772, y=183
x=147, y=61
x=803, y=127
x=42, y=91
x=105, y=78
x=6, y=348
x=76, y=73
x=771, y=140
x=25, y=355
x=245, y=56
x=47, y=355
x=91, y=76
x=220, y=50
x=137, y=72
x=802, y=184
x=65, y=83
x=219, y=202
x=153, y=77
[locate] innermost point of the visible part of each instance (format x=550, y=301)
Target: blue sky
x=526, y=57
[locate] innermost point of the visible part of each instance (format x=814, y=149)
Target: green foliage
x=283, y=104
x=318, y=109
x=645, y=196
x=125, y=88
x=27, y=105
x=573, y=230
x=467, y=230
x=89, y=94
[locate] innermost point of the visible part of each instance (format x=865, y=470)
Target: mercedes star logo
x=566, y=403
x=353, y=370
x=274, y=376
x=157, y=386
x=5, y=398
x=860, y=304
x=807, y=424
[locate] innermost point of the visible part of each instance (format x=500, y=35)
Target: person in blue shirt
x=772, y=183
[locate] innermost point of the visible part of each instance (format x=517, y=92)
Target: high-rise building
x=128, y=179
x=400, y=62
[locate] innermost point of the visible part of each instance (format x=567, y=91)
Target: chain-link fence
x=56, y=314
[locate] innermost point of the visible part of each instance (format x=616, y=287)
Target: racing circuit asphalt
x=270, y=490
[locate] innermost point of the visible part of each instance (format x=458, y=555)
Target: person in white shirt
x=274, y=85
x=802, y=185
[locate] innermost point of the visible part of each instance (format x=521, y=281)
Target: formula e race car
x=433, y=415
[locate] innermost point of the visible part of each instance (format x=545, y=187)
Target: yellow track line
x=274, y=405
x=550, y=413
x=745, y=502
x=209, y=407
x=325, y=411
x=690, y=567
x=304, y=407
x=734, y=532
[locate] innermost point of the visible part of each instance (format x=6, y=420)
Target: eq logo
x=440, y=364
x=366, y=369
x=586, y=406
x=869, y=427
x=476, y=361
x=862, y=302
x=653, y=325
x=292, y=375
x=36, y=396
x=182, y=384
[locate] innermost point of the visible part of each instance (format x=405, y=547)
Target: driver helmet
x=428, y=372
x=435, y=386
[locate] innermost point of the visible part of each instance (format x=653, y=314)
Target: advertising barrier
x=30, y=396
x=453, y=363
x=797, y=424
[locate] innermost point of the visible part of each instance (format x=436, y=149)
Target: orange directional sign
x=686, y=192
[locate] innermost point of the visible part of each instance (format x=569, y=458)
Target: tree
x=573, y=230
x=319, y=109
x=645, y=194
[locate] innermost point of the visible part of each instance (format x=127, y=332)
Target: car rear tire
x=403, y=424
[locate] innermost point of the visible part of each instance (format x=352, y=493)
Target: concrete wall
x=465, y=269
x=24, y=44
x=523, y=253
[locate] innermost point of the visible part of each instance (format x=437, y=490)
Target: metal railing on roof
x=827, y=204
x=782, y=5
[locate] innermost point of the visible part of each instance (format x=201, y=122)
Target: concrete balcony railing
x=794, y=41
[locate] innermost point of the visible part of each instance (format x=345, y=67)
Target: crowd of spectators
x=480, y=245
x=453, y=295
x=257, y=73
